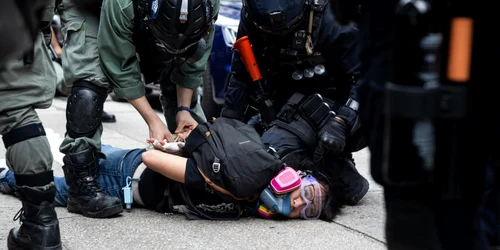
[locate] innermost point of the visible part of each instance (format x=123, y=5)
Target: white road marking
x=55, y=141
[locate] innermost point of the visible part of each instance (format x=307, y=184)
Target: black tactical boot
x=85, y=195
x=39, y=228
x=356, y=186
x=107, y=117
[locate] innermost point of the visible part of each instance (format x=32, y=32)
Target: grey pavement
x=359, y=227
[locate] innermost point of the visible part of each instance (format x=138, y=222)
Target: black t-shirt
x=154, y=194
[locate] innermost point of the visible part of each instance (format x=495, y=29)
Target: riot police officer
x=422, y=102
x=27, y=82
x=309, y=64
x=172, y=40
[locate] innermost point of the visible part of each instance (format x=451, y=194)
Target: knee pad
x=84, y=109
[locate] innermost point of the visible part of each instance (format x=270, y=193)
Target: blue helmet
x=277, y=17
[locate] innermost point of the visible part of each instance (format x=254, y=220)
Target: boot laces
x=19, y=216
x=90, y=184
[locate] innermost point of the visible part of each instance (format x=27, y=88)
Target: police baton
x=244, y=48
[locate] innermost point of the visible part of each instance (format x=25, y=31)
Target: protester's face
x=300, y=197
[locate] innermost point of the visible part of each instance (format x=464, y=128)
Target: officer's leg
x=84, y=129
x=283, y=142
x=411, y=222
x=8, y=185
x=490, y=215
x=83, y=115
x=356, y=186
x=168, y=100
x=23, y=134
x=25, y=85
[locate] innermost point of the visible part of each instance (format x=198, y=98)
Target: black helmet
x=180, y=24
x=278, y=17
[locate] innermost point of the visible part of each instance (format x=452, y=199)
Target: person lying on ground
x=156, y=179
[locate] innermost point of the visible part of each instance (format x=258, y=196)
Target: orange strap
x=459, y=57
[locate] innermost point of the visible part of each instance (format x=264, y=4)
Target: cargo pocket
x=74, y=38
x=73, y=50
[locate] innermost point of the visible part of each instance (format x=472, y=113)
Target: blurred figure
x=19, y=26
x=27, y=82
x=431, y=116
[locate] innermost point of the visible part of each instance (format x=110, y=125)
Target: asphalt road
x=359, y=227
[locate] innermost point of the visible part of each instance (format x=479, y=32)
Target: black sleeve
x=192, y=177
x=343, y=47
x=239, y=89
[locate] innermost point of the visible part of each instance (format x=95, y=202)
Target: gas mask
x=276, y=199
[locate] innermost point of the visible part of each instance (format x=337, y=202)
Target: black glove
x=332, y=136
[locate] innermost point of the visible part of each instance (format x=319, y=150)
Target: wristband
x=183, y=108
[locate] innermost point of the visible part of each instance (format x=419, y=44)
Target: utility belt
x=304, y=117
x=415, y=123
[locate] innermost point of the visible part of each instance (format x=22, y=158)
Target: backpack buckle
x=216, y=165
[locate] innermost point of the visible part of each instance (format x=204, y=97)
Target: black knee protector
x=84, y=109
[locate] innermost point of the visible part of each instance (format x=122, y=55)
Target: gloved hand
x=332, y=136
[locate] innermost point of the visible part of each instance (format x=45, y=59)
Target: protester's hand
x=168, y=147
x=160, y=132
x=332, y=136
x=185, y=123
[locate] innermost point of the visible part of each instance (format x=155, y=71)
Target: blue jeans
x=112, y=173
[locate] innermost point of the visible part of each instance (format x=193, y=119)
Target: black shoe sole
x=14, y=244
x=103, y=213
x=109, y=120
x=353, y=201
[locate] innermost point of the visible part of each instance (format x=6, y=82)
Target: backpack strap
x=204, y=131
x=209, y=182
x=195, y=139
x=205, y=214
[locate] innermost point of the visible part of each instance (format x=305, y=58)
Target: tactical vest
x=153, y=58
x=295, y=55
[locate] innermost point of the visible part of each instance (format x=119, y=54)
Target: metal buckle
x=216, y=167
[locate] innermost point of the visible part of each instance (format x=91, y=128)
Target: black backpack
x=232, y=159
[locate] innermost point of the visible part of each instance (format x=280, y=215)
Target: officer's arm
x=117, y=51
x=237, y=91
x=345, y=48
x=189, y=75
